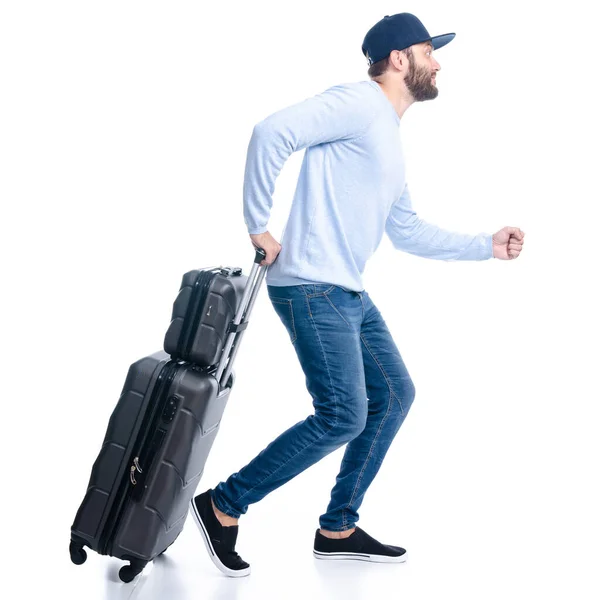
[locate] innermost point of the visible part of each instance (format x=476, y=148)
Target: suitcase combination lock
x=170, y=409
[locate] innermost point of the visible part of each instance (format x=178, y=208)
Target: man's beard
x=418, y=81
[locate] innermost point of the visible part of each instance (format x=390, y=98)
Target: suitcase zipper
x=147, y=458
x=149, y=423
x=134, y=467
x=192, y=317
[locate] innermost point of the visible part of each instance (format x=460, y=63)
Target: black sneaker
x=219, y=540
x=357, y=546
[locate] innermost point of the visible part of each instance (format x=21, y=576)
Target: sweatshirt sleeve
x=338, y=113
x=413, y=235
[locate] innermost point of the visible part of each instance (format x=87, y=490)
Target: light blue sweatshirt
x=351, y=188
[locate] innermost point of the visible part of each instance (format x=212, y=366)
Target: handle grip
x=260, y=255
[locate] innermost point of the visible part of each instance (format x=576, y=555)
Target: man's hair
x=380, y=67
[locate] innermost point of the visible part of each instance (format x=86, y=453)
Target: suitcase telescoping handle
x=257, y=274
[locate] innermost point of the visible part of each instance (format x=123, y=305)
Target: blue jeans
x=361, y=394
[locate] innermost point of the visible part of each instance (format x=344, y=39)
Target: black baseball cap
x=397, y=32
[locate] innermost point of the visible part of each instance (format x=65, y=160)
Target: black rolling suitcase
x=165, y=422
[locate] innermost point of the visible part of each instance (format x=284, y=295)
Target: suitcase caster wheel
x=130, y=572
x=127, y=574
x=78, y=554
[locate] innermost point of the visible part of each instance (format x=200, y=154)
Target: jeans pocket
x=283, y=307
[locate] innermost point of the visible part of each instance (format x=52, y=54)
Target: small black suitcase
x=155, y=448
x=204, y=308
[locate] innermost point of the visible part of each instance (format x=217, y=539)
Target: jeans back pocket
x=283, y=307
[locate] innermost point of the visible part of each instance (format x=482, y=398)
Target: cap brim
x=441, y=40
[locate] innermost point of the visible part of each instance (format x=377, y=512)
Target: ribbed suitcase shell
x=140, y=521
x=202, y=311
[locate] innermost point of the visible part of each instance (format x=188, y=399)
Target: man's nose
x=436, y=65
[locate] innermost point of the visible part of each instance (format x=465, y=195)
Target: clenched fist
x=507, y=243
x=269, y=244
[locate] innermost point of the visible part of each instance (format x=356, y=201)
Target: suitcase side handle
x=255, y=279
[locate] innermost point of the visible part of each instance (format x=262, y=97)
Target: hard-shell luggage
x=155, y=448
x=203, y=310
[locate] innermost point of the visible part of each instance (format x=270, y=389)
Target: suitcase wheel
x=127, y=574
x=78, y=554
x=130, y=572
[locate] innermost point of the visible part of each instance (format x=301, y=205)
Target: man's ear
x=399, y=59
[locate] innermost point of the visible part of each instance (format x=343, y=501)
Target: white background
x=124, y=129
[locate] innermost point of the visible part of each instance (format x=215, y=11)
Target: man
x=352, y=187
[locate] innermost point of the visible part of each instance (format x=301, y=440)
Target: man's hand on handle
x=269, y=244
x=507, y=243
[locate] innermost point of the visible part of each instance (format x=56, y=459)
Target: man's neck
x=399, y=100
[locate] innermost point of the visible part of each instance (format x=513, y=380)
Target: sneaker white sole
x=211, y=551
x=355, y=556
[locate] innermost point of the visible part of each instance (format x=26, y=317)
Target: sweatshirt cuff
x=256, y=230
x=490, y=246
x=480, y=248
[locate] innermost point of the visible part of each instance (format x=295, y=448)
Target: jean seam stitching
x=384, y=374
x=364, y=467
x=363, y=306
x=324, y=433
x=317, y=294
x=337, y=311
x=335, y=400
x=307, y=302
x=293, y=322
